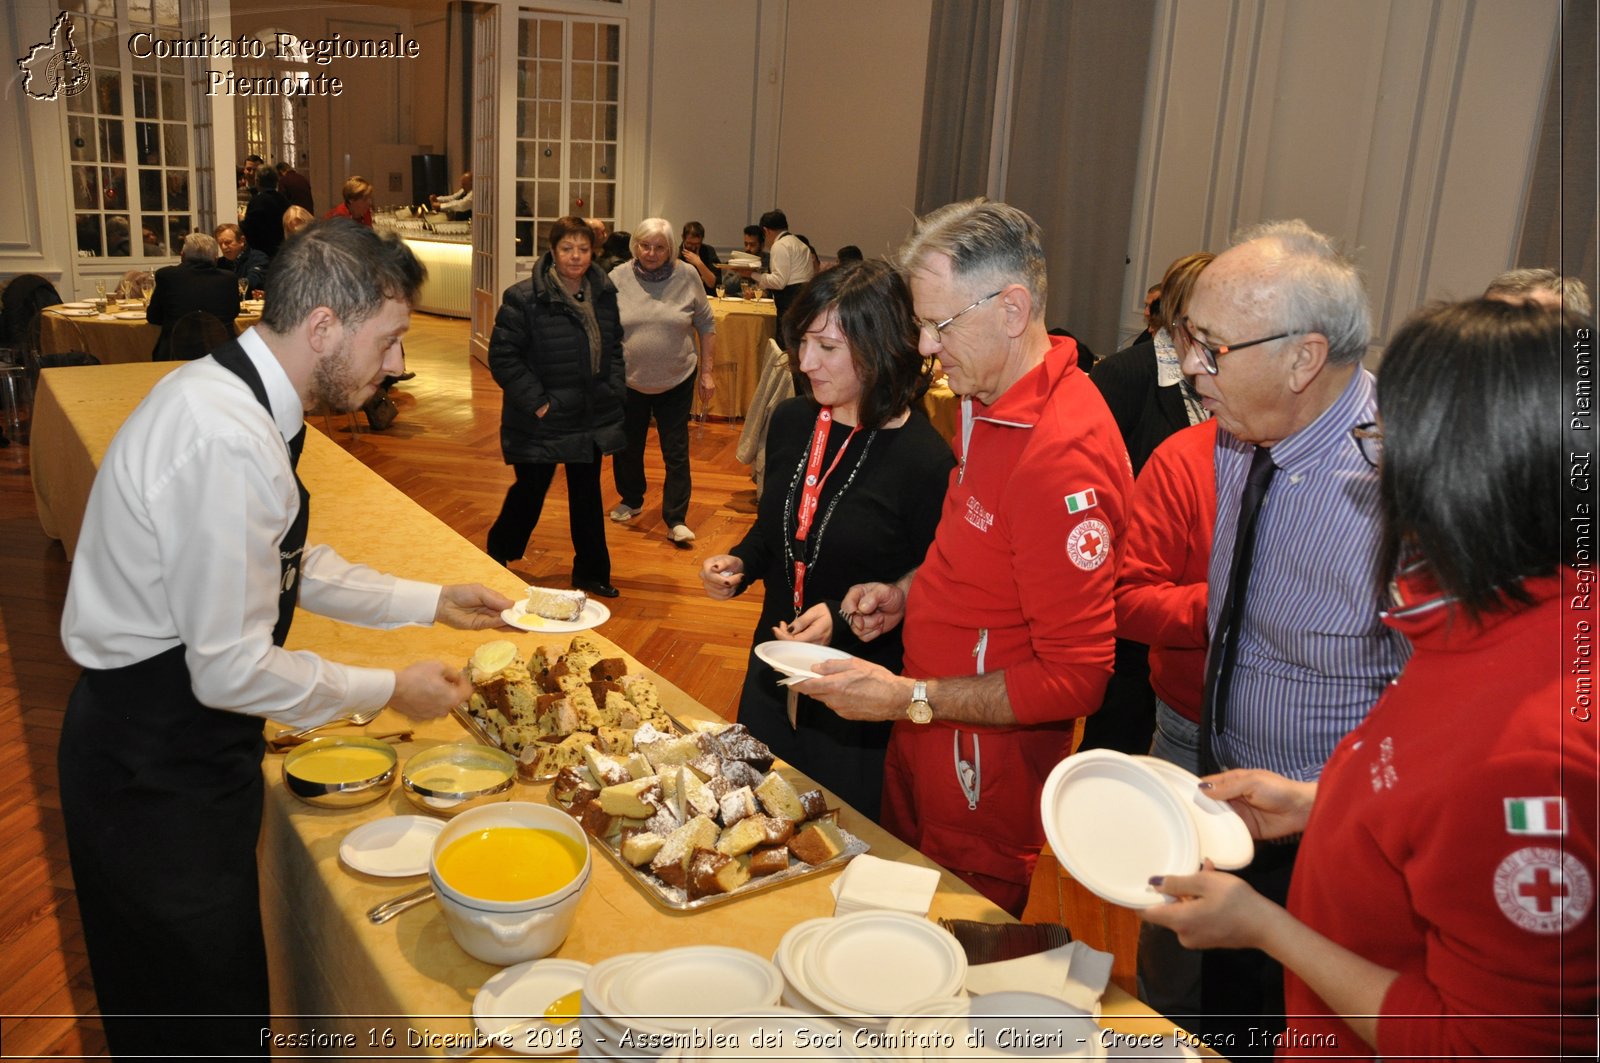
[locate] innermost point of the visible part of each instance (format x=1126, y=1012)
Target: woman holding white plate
x=855, y=480
x=1443, y=900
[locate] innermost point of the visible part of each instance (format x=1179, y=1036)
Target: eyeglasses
x=1369, y=441
x=1210, y=354
x=938, y=327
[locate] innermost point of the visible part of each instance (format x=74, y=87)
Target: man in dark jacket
x=296, y=187
x=556, y=352
x=263, y=218
x=239, y=258
x=195, y=283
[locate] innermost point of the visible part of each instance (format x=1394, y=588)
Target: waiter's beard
x=334, y=384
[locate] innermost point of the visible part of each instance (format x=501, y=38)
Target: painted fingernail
x=1157, y=880
x=1206, y=786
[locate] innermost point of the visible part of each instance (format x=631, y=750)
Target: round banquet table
x=109, y=337
x=743, y=329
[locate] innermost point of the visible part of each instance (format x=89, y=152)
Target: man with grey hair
x=190, y=563
x=195, y=283
x=1009, y=620
x=1273, y=339
x=1543, y=286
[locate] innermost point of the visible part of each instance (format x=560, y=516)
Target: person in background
x=1543, y=286
x=195, y=283
x=847, y=254
x=1148, y=396
x=295, y=219
x=459, y=203
x=754, y=237
x=296, y=188
x=791, y=261
x=663, y=308
x=699, y=254
x=597, y=228
x=556, y=352
x=191, y=562
x=881, y=472
x=263, y=218
x=247, y=175
x=1008, y=622
x=617, y=249
x=1462, y=809
x=356, y=202
x=239, y=258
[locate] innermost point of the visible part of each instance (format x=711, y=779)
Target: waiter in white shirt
x=189, y=566
x=458, y=203
x=790, y=264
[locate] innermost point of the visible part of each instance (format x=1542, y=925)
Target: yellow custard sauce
x=510, y=863
x=340, y=764
x=458, y=778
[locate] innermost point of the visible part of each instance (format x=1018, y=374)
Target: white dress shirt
x=180, y=545
x=460, y=200
x=790, y=263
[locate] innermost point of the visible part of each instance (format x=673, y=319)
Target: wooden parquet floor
x=443, y=451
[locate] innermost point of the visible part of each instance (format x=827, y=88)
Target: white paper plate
x=803, y=1036
x=525, y=990
x=1035, y=1024
x=81, y=304
x=597, y=984
x=798, y=658
x=678, y=988
x=790, y=958
x=392, y=847
x=1224, y=836
x=81, y=312
x=879, y=963
x=1113, y=823
x=130, y=315
x=594, y=614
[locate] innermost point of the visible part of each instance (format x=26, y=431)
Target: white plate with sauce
x=525, y=990
x=594, y=614
x=392, y=847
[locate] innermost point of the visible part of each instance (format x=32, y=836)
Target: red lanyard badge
x=811, y=493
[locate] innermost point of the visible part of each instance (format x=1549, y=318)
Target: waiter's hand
x=858, y=690
x=428, y=689
x=471, y=606
x=874, y=608
x=813, y=625
x=1270, y=805
x=1213, y=910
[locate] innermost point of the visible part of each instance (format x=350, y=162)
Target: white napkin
x=1073, y=972
x=871, y=882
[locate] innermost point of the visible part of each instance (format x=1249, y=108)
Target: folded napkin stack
x=870, y=882
x=1073, y=972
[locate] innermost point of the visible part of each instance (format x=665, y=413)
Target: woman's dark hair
x=1475, y=446
x=872, y=304
x=562, y=228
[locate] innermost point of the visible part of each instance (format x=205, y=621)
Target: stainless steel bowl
x=342, y=792
x=454, y=777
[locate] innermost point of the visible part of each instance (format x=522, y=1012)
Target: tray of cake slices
x=702, y=818
x=546, y=707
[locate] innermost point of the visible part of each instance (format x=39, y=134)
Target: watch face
x=920, y=712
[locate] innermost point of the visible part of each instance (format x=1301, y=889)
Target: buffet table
x=399, y=987
x=113, y=340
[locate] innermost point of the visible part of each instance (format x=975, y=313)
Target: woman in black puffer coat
x=556, y=352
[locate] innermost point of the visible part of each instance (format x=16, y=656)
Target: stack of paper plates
x=867, y=966
x=645, y=1004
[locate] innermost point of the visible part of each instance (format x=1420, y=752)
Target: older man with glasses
x=1273, y=339
x=1008, y=621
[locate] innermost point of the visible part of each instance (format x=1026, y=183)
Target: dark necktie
x=296, y=445
x=1224, y=642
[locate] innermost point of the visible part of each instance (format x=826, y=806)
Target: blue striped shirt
x=1313, y=656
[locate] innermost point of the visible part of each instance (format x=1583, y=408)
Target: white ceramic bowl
x=507, y=932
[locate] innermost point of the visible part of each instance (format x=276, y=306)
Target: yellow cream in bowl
x=510, y=863
x=458, y=778
x=340, y=764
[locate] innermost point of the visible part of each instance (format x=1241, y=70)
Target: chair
x=775, y=384
x=196, y=335
x=20, y=304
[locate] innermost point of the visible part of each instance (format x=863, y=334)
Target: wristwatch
x=919, y=710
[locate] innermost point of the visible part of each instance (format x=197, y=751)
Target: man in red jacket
x=1009, y=620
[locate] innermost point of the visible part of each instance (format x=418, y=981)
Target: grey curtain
x=1074, y=151
x=958, y=101
x=1558, y=229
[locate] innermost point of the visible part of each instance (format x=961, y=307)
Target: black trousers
x=519, y=515
x=1241, y=990
x=670, y=409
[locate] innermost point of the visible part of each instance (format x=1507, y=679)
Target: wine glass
x=244, y=290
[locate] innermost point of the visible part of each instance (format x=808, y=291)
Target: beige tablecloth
x=113, y=340
x=743, y=329
x=333, y=972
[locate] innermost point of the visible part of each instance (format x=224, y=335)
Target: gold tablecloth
x=743, y=329
x=393, y=987
x=112, y=340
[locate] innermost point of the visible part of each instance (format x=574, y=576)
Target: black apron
x=162, y=799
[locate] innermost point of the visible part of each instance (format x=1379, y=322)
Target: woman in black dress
x=858, y=431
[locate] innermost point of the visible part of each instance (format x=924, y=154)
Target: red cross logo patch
x=1543, y=890
x=1089, y=544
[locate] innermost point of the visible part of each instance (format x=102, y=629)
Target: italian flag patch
x=1536, y=815
x=1081, y=501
